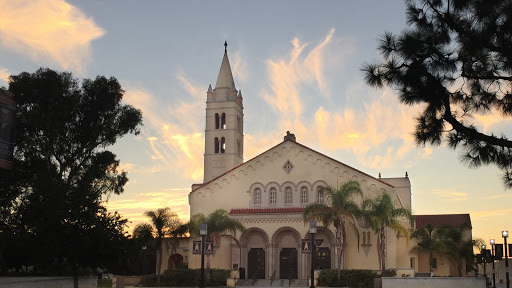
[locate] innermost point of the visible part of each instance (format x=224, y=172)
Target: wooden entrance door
x=323, y=258
x=256, y=265
x=288, y=263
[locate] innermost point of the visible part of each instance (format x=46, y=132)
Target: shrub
x=350, y=278
x=186, y=278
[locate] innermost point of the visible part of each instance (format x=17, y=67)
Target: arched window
x=273, y=195
x=257, y=196
x=238, y=123
x=223, y=121
x=217, y=145
x=288, y=195
x=364, y=237
x=368, y=238
x=304, y=194
x=217, y=121
x=320, y=194
x=223, y=145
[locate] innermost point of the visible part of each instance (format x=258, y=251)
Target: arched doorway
x=254, y=243
x=174, y=261
x=288, y=263
x=287, y=241
x=256, y=262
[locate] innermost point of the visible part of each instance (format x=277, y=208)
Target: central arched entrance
x=256, y=269
x=288, y=263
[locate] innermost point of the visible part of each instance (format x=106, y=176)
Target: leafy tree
x=164, y=223
x=379, y=214
x=219, y=225
x=428, y=242
x=340, y=211
x=457, y=247
x=455, y=60
x=52, y=202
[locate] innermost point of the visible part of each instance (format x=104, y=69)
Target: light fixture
x=203, y=229
x=504, y=234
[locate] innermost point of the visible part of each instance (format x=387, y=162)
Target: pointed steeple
x=225, y=79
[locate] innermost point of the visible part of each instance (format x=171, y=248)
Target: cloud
x=239, y=67
x=450, y=194
x=4, y=75
x=174, y=198
x=174, y=130
x=48, y=31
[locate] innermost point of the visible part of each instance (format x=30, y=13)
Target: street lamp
x=485, y=263
x=312, y=231
x=505, y=235
x=493, y=269
x=203, y=231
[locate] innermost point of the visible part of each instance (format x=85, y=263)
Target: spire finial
x=226, y=46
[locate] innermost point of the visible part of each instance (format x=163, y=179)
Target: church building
x=268, y=194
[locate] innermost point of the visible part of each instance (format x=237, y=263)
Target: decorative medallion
x=288, y=167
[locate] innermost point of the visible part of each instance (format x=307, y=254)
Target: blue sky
x=298, y=66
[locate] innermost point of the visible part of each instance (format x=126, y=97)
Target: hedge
x=186, y=278
x=350, y=278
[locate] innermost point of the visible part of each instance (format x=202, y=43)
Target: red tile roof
x=267, y=210
x=437, y=221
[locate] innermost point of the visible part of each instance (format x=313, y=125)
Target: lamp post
x=312, y=231
x=505, y=235
x=493, y=269
x=203, y=231
x=485, y=263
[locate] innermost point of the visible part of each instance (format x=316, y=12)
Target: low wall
x=438, y=282
x=47, y=282
x=123, y=281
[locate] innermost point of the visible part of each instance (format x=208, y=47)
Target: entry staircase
x=272, y=283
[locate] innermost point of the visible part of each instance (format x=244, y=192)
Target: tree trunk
x=158, y=261
x=383, y=249
x=430, y=259
x=207, y=269
x=340, y=254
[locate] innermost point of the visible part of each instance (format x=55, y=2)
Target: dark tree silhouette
x=52, y=202
x=455, y=59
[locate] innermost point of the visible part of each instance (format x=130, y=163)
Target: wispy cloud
x=4, y=75
x=48, y=31
x=175, y=138
x=239, y=67
x=174, y=198
x=450, y=194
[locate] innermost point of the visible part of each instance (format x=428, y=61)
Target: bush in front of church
x=349, y=278
x=186, y=278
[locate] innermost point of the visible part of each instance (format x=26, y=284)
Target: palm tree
x=456, y=247
x=379, y=214
x=339, y=212
x=219, y=225
x=143, y=234
x=164, y=222
x=428, y=241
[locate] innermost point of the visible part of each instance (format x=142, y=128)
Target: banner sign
x=306, y=245
x=498, y=251
x=208, y=247
x=196, y=247
x=7, y=128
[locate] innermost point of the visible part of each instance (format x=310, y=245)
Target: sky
x=298, y=66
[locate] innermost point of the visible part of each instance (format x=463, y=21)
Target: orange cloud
x=48, y=29
x=133, y=209
x=4, y=75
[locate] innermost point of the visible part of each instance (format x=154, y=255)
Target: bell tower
x=224, y=134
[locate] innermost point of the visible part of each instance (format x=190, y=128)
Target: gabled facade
x=268, y=194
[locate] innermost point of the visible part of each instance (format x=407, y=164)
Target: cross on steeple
x=226, y=46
